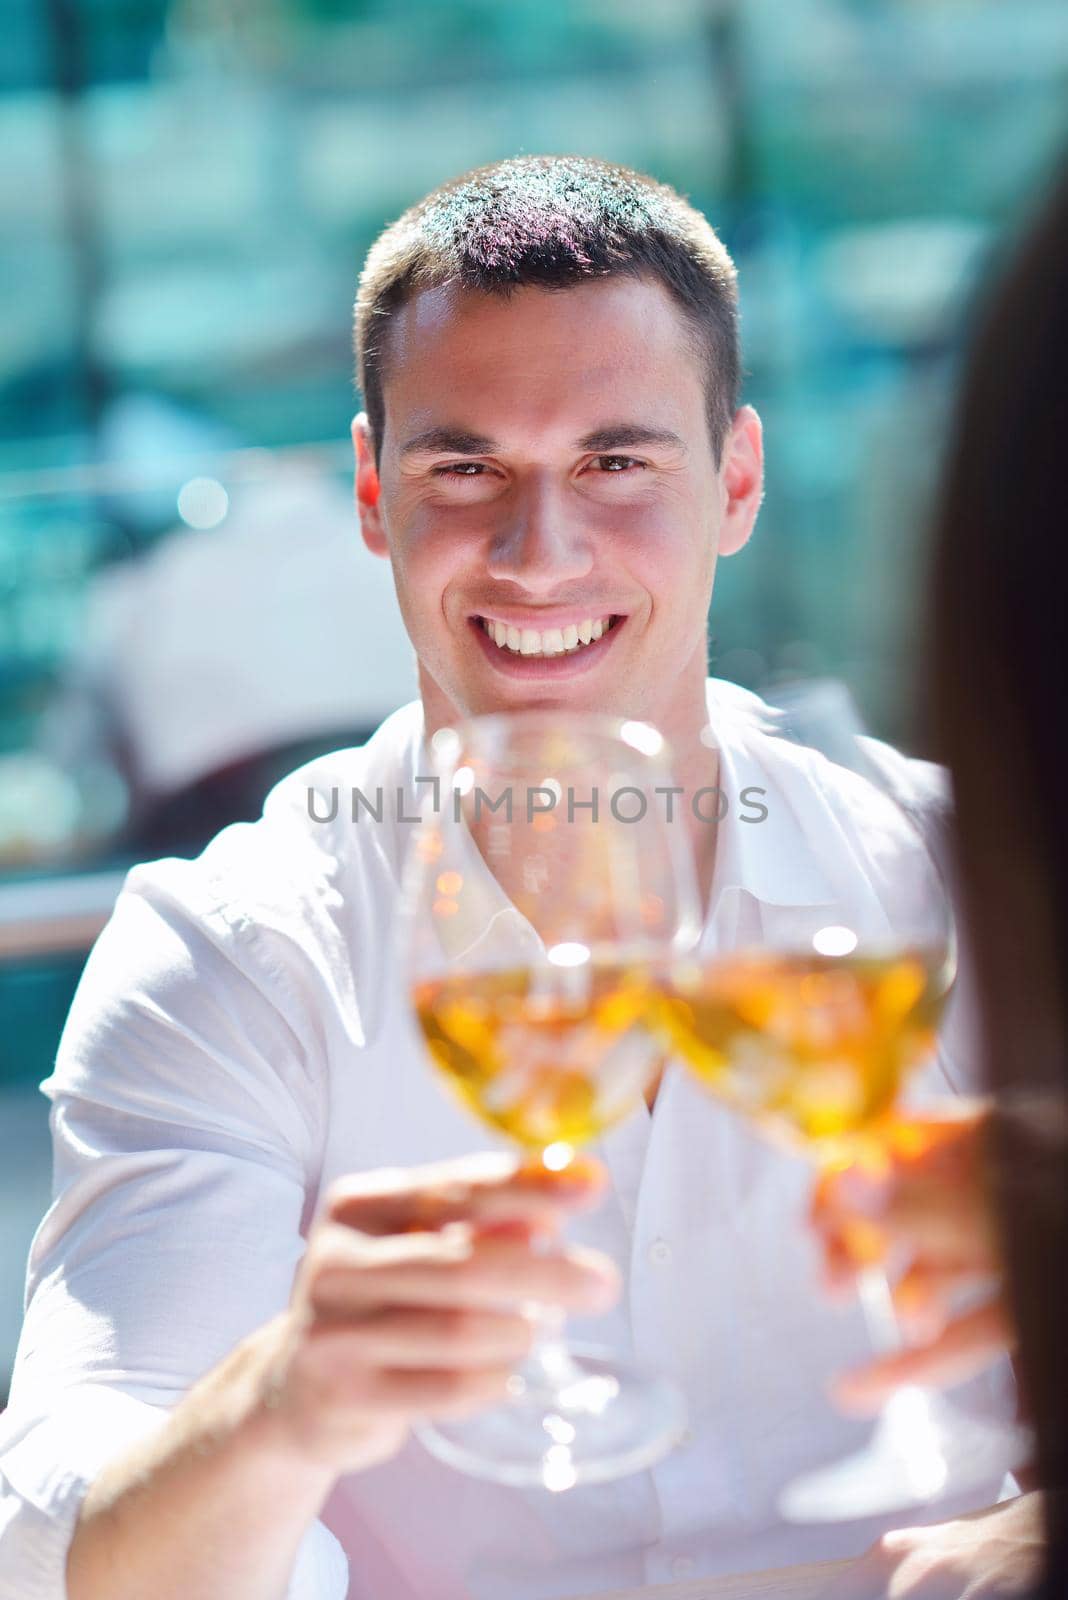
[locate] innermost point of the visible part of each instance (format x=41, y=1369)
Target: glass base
x=577, y=1415
x=922, y=1449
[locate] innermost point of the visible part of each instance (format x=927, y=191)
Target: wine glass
x=543, y=887
x=812, y=1034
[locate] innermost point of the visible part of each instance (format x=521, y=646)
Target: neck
x=682, y=720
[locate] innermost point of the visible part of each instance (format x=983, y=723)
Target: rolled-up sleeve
x=187, y=1122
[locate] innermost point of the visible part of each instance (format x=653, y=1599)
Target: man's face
x=549, y=499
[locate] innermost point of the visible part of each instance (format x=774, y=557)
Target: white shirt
x=241, y=1037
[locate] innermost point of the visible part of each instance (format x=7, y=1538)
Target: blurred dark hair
x=551, y=222
x=1000, y=719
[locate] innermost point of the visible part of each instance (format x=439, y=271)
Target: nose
x=541, y=548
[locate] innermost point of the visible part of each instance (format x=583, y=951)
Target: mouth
x=549, y=641
x=517, y=649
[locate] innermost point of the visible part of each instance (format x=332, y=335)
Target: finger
x=420, y=1337
x=966, y=1347
x=850, y=1189
x=401, y=1391
x=450, y=1393
x=455, y=1268
x=924, y=1296
x=947, y=1149
x=947, y=1223
x=948, y=1136
x=940, y=1155
x=838, y=1272
x=490, y=1186
x=850, y=1241
x=846, y=1211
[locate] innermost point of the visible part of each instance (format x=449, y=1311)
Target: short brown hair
x=550, y=222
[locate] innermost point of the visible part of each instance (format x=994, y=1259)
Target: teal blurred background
x=187, y=190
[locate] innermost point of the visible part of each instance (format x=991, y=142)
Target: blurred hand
x=986, y=1555
x=407, y=1302
x=922, y=1205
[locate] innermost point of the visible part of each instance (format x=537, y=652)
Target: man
x=231, y=1322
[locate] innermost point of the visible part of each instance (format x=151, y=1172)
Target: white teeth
x=553, y=642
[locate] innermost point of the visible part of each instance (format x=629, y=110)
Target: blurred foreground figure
x=997, y=1190
x=1002, y=721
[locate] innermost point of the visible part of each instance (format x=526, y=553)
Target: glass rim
x=640, y=736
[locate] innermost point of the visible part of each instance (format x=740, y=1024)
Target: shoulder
x=862, y=819
x=239, y=957
x=268, y=897
x=388, y=758
x=801, y=747
x=287, y=865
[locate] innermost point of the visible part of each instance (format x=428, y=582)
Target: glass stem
x=877, y=1305
x=549, y=1351
x=549, y=1358
x=906, y=1426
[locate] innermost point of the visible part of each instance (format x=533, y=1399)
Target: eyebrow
x=628, y=436
x=461, y=442
x=451, y=441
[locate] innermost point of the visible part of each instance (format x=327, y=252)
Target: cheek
x=669, y=553
x=425, y=551
x=430, y=559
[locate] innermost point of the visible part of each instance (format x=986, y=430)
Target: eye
x=460, y=469
x=617, y=464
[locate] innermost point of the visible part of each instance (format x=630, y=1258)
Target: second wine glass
x=815, y=1034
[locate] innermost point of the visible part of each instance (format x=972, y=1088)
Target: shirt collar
x=775, y=859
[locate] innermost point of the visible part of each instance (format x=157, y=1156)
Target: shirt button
x=681, y=1566
x=659, y=1252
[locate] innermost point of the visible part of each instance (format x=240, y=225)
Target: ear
x=368, y=488
x=742, y=471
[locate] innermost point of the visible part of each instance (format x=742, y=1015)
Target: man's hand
x=407, y=1303
x=926, y=1208
x=988, y=1555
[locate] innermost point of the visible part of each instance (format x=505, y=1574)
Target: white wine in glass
x=545, y=889
x=813, y=1036
x=550, y=1065
x=814, y=1047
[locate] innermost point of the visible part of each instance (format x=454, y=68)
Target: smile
x=569, y=640
x=545, y=656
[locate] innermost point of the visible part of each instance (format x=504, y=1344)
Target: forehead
x=542, y=355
